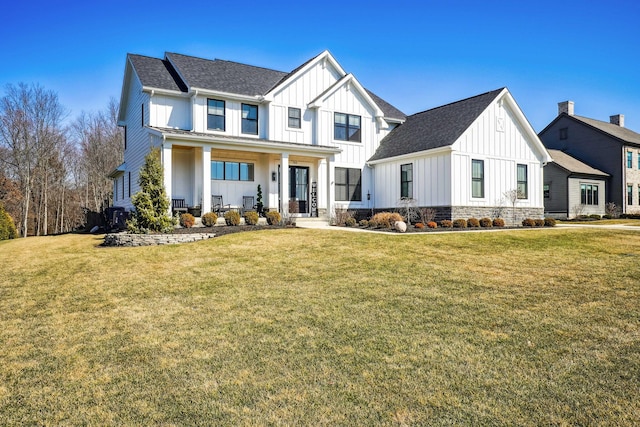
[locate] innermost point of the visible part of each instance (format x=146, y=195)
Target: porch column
x=167, y=169
x=331, y=178
x=284, y=184
x=206, y=180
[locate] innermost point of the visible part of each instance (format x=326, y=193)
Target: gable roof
x=156, y=73
x=573, y=165
x=619, y=133
x=435, y=128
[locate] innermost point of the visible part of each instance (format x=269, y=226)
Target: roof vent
x=618, y=119
x=565, y=107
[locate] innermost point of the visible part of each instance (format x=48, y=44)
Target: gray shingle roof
x=389, y=110
x=616, y=131
x=573, y=165
x=438, y=127
x=225, y=76
x=156, y=73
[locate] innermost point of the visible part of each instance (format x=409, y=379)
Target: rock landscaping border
x=134, y=240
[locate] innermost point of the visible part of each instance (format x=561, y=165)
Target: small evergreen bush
x=251, y=218
x=595, y=216
x=209, y=219
x=363, y=223
x=528, y=222
x=232, y=218
x=473, y=222
x=7, y=226
x=498, y=222
x=549, y=222
x=273, y=218
x=486, y=222
x=350, y=222
x=539, y=222
x=187, y=220
x=445, y=223
x=460, y=223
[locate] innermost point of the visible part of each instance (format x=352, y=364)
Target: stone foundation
x=133, y=240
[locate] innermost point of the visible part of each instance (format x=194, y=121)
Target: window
x=115, y=189
x=477, y=178
x=346, y=127
x=638, y=160
x=129, y=181
x=522, y=182
x=125, y=137
x=142, y=115
x=231, y=171
x=629, y=159
x=629, y=194
x=348, y=184
x=589, y=194
x=545, y=190
x=250, y=119
x=564, y=132
x=294, y=118
x=215, y=114
x=406, y=181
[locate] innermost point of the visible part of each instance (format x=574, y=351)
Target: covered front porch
x=297, y=182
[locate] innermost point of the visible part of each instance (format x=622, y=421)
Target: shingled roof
x=157, y=73
x=616, y=131
x=573, y=165
x=435, y=128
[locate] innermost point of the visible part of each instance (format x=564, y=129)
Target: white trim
x=424, y=153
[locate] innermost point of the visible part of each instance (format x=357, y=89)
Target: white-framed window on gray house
x=294, y=119
x=346, y=127
x=348, y=184
x=523, y=182
x=406, y=181
x=477, y=178
x=250, y=119
x=589, y=194
x=215, y=114
x=231, y=171
x=546, y=190
x=629, y=159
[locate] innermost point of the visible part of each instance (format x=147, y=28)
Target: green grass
x=323, y=327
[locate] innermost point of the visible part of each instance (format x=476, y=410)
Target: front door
x=298, y=189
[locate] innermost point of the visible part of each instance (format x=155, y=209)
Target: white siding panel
x=171, y=112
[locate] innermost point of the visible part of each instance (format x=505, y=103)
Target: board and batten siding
x=497, y=138
x=233, y=117
x=170, y=112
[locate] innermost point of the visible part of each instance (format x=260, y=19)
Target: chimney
x=565, y=107
x=618, y=119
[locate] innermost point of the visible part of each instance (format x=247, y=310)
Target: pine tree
x=151, y=202
x=7, y=226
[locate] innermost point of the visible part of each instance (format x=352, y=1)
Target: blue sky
x=415, y=54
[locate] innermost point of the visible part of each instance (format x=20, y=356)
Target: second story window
x=629, y=159
x=215, y=114
x=294, y=118
x=346, y=127
x=250, y=119
x=564, y=133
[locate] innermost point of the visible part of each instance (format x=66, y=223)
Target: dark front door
x=298, y=189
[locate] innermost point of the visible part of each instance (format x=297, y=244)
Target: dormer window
x=346, y=127
x=215, y=114
x=250, y=119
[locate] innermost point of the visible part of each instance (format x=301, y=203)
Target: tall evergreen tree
x=151, y=204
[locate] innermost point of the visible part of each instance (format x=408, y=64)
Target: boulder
x=400, y=226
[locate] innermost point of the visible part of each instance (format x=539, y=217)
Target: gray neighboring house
x=607, y=146
x=573, y=188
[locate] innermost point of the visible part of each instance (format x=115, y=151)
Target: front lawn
x=323, y=327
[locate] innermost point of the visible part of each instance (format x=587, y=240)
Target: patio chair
x=218, y=206
x=247, y=204
x=179, y=206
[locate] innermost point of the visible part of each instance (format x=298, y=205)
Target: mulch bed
x=221, y=230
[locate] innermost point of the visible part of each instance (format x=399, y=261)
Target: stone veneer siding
x=132, y=240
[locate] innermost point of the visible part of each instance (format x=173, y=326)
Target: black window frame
x=248, y=121
x=351, y=187
x=406, y=181
x=589, y=194
x=223, y=115
x=524, y=183
x=546, y=191
x=479, y=179
x=629, y=194
x=234, y=171
x=294, y=122
x=352, y=133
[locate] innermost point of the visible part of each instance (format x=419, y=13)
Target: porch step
x=320, y=222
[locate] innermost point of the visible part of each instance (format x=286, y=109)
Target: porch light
x=273, y=176
x=368, y=195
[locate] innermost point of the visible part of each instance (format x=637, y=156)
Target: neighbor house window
x=215, y=115
x=129, y=181
x=477, y=178
x=589, y=194
x=564, y=132
x=231, y=171
x=629, y=194
x=294, y=118
x=629, y=159
x=125, y=137
x=638, y=160
x=250, y=119
x=406, y=181
x=348, y=186
x=545, y=190
x=346, y=127
x=522, y=182
x=142, y=115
